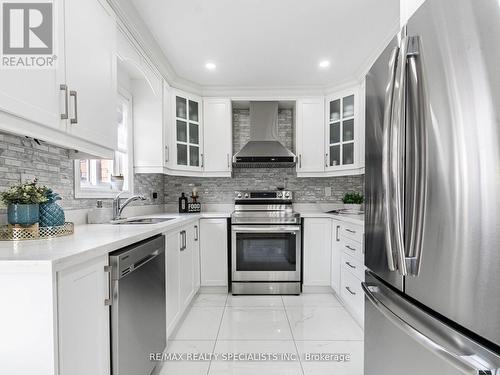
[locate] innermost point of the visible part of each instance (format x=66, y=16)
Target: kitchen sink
x=149, y=220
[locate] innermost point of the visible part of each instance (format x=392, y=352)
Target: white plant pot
x=352, y=207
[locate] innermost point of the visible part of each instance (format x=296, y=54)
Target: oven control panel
x=264, y=195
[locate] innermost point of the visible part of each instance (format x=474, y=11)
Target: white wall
x=407, y=8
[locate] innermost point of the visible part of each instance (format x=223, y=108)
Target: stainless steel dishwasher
x=138, y=318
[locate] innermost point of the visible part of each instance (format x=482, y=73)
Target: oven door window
x=266, y=252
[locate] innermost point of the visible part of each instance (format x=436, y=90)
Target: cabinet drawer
x=351, y=231
x=352, y=248
x=352, y=295
x=353, y=265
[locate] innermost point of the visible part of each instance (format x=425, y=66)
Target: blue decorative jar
x=23, y=214
x=51, y=214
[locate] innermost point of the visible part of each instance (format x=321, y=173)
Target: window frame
x=123, y=95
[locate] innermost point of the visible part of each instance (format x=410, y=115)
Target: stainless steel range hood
x=264, y=150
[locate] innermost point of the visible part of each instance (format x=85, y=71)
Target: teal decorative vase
x=51, y=214
x=22, y=214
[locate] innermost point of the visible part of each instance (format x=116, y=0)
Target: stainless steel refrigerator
x=432, y=215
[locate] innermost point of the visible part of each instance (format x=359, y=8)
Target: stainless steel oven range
x=266, y=244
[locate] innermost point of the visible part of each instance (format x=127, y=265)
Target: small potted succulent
x=23, y=201
x=51, y=214
x=353, y=201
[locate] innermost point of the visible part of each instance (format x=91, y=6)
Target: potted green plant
x=51, y=214
x=353, y=201
x=23, y=201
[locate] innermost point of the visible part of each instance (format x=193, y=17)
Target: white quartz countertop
x=322, y=211
x=92, y=240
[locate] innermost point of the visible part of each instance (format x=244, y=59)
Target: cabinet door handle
x=74, y=94
x=228, y=165
x=350, y=248
x=167, y=154
x=350, y=265
x=337, y=234
x=109, y=301
x=326, y=160
x=300, y=160
x=63, y=87
x=350, y=291
x=181, y=238
x=196, y=232
x=202, y=160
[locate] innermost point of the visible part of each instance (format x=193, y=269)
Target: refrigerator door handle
x=386, y=160
x=396, y=159
x=416, y=154
x=469, y=358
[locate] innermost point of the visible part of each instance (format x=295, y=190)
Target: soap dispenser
x=183, y=203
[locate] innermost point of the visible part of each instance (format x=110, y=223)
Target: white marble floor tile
x=324, y=300
x=323, y=323
x=245, y=323
x=200, y=323
x=254, y=301
x=349, y=366
x=186, y=366
x=264, y=367
x=210, y=300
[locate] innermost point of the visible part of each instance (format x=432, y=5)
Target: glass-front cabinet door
x=341, y=140
x=188, y=131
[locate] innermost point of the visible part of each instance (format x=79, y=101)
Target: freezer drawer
x=402, y=338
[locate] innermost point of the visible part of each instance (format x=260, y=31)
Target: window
x=96, y=178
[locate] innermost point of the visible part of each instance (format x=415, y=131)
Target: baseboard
x=316, y=289
x=213, y=289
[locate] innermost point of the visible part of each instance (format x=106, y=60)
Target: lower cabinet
x=83, y=319
x=213, y=252
x=317, y=251
x=182, y=265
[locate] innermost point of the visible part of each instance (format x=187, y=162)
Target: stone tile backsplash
x=20, y=156
x=221, y=190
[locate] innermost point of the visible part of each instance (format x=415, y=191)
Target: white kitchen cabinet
x=310, y=135
x=344, y=133
x=213, y=252
x=217, y=137
x=91, y=75
x=83, y=319
x=336, y=257
x=148, y=125
x=182, y=270
x=317, y=251
x=187, y=153
x=172, y=259
x=35, y=94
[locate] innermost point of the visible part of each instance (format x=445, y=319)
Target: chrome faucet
x=118, y=206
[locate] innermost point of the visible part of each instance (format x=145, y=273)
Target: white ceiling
x=269, y=43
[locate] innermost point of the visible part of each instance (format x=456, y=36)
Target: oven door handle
x=266, y=229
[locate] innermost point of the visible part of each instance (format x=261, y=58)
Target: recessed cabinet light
x=210, y=66
x=324, y=64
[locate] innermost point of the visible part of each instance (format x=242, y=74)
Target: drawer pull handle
x=350, y=265
x=350, y=291
x=350, y=248
x=350, y=230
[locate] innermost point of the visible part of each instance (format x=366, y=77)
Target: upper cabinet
x=310, y=134
x=330, y=134
x=188, y=145
x=91, y=71
x=198, y=135
x=217, y=137
x=72, y=104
